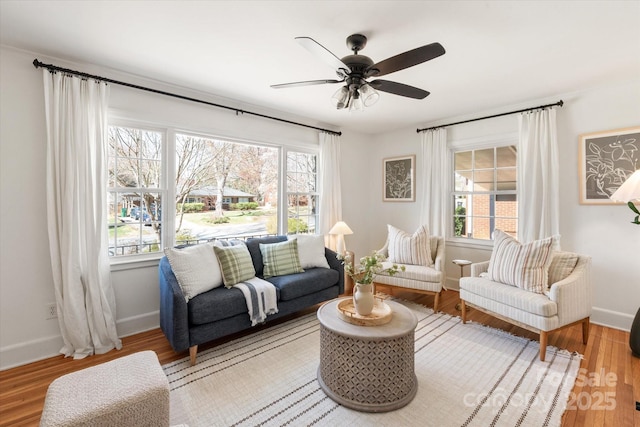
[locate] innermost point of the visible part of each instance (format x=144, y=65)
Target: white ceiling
x=499, y=53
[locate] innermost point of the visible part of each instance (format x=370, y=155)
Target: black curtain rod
x=559, y=103
x=52, y=68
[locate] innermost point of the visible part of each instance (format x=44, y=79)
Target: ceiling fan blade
x=323, y=54
x=399, y=89
x=406, y=60
x=305, y=83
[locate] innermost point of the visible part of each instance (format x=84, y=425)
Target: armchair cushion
x=523, y=265
x=404, y=248
x=561, y=266
x=415, y=272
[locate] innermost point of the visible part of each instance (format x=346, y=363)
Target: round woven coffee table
x=368, y=368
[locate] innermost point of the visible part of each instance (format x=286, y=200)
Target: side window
x=135, y=192
x=302, y=192
x=484, y=196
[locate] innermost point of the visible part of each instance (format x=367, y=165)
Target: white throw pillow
x=311, y=250
x=523, y=265
x=409, y=249
x=196, y=268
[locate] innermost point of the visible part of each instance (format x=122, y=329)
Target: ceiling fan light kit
x=354, y=70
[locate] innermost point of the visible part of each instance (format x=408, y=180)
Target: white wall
x=26, y=285
x=603, y=232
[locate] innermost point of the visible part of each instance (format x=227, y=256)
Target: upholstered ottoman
x=129, y=391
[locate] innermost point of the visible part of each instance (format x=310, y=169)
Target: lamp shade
x=340, y=228
x=629, y=190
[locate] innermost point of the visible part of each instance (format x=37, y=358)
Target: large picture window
x=484, y=196
x=169, y=188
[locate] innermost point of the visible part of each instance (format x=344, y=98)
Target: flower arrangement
x=368, y=268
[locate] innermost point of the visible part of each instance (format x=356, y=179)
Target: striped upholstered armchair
x=420, y=276
x=565, y=300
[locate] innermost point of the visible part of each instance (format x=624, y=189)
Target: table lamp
x=340, y=229
x=628, y=192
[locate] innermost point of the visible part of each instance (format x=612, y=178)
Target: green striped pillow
x=281, y=258
x=235, y=263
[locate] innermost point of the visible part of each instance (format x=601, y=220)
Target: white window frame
x=162, y=189
x=168, y=176
x=485, y=142
x=284, y=223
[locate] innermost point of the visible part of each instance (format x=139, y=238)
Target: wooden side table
x=348, y=281
x=462, y=263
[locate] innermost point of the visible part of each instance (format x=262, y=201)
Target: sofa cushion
x=217, y=304
x=512, y=296
x=412, y=272
x=409, y=249
x=235, y=264
x=253, y=245
x=280, y=258
x=312, y=280
x=196, y=268
x=561, y=266
x=523, y=265
x=311, y=250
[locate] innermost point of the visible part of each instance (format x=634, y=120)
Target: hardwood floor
x=610, y=375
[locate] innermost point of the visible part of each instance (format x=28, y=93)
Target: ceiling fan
x=354, y=70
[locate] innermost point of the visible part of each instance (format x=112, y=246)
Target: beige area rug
x=468, y=375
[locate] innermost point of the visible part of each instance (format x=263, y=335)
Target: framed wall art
x=607, y=159
x=399, y=183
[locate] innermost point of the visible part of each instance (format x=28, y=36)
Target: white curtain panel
x=435, y=172
x=330, y=187
x=538, y=176
x=76, y=114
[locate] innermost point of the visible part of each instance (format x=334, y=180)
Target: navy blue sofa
x=221, y=311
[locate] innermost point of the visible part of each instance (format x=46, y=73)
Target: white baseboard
x=30, y=351
x=136, y=324
x=44, y=348
x=611, y=319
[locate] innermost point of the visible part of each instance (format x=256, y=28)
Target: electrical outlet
x=52, y=311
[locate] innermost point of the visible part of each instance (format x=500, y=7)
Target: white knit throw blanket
x=261, y=299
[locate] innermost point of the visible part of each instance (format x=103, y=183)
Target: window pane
x=506, y=156
x=483, y=180
x=463, y=160
x=459, y=213
x=483, y=159
x=224, y=189
x=506, y=179
x=481, y=228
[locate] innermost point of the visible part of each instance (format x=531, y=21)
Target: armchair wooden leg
x=543, y=345
x=463, y=311
x=585, y=330
x=436, y=302
x=193, y=350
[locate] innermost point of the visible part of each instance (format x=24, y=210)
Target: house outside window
x=484, y=192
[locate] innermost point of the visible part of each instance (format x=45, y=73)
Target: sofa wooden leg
x=436, y=302
x=543, y=345
x=193, y=350
x=585, y=330
x=463, y=311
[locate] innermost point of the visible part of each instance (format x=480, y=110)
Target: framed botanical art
x=607, y=159
x=399, y=175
